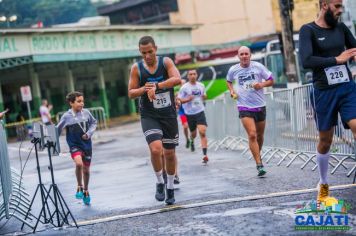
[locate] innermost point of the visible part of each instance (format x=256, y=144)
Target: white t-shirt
x=245, y=78
x=44, y=111
x=198, y=91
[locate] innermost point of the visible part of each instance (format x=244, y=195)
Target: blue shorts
x=327, y=103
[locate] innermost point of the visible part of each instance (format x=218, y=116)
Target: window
x=168, y=6
x=148, y=11
x=132, y=15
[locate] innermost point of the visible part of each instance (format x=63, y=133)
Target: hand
x=346, y=55
x=3, y=113
x=50, y=106
x=190, y=98
x=149, y=86
x=85, y=137
x=234, y=95
x=178, y=103
x=257, y=86
x=151, y=93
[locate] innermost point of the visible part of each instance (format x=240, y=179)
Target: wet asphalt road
x=122, y=182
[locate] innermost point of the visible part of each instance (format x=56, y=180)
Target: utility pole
x=286, y=8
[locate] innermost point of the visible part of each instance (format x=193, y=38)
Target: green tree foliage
x=49, y=12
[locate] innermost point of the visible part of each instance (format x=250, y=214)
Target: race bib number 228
x=337, y=74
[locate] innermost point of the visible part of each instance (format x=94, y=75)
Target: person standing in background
x=45, y=112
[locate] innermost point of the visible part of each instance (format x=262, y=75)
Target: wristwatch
x=157, y=86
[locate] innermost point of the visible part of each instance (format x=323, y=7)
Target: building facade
x=93, y=60
x=218, y=22
x=305, y=11
x=137, y=12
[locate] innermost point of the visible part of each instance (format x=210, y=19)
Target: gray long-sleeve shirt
x=78, y=124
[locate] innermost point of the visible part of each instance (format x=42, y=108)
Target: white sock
x=159, y=177
x=323, y=163
x=170, y=181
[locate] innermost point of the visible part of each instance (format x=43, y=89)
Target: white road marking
x=209, y=203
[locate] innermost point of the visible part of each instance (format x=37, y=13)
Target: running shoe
x=79, y=193
x=170, y=197
x=192, y=147
x=160, y=195
x=86, y=197
x=187, y=144
x=261, y=171
x=323, y=192
x=176, y=180
x=205, y=159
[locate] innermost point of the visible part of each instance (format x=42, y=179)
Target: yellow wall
x=222, y=21
x=225, y=20
x=305, y=11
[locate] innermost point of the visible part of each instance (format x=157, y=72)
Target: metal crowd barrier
x=20, y=129
x=14, y=201
x=99, y=114
x=290, y=133
x=5, y=175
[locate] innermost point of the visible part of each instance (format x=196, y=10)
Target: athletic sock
x=170, y=181
x=159, y=176
x=323, y=163
x=205, y=150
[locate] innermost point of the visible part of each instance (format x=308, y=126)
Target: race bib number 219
x=248, y=85
x=162, y=100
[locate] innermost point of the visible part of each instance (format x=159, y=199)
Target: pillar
x=70, y=79
x=35, y=85
x=102, y=91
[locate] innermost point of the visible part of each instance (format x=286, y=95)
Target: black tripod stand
x=41, y=189
x=59, y=215
x=61, y=211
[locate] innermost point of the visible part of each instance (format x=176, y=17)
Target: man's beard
x=330, y=19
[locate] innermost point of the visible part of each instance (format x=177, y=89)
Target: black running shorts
x=257, y=116
x=195, y=120
x=161, y=129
